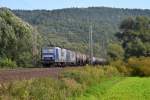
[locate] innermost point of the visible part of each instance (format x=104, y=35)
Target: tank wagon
x=57, y=56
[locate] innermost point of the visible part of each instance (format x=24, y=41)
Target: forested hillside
x=69, y=28
x=18, y=41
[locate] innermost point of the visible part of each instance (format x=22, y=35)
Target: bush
x=25, y=60
x=140, y=66
x=88, y=75
x=115, y=51
x=47, y=89
x=7, y=63
x=36, y=89
x=111, y=71
x=74, y=88
x=121, y=67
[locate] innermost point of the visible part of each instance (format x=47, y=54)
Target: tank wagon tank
x=57, y=56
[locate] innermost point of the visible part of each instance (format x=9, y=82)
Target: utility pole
x=91, y=43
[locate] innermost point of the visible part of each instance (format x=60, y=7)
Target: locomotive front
x=47, y=56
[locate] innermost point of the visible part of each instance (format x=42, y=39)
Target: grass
x=117, y=88
x=131, y=88
x=97, y=91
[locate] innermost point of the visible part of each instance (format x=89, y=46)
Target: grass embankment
x=88, y=83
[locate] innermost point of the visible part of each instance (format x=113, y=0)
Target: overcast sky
x=58, y=4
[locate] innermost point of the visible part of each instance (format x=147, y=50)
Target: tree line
x=67, y=27
x=134, y=38
x=18, y=41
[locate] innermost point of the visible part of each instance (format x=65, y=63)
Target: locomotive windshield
x=48, y=53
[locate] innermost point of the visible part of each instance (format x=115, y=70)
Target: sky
x=59, y=4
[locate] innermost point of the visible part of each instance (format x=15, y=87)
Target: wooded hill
x=69, y=28
x=18, y=41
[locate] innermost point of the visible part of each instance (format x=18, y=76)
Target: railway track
x=27, y=73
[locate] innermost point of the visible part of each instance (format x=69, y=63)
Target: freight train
x=57, y=56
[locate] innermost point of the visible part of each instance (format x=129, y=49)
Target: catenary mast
x=91, y=43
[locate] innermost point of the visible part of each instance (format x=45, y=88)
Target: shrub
x=115, y=51
x=14, y=91
x=140, y=66
x=111, y=71
x=73, y=87
x=87, y=75
x=47, y=89
x=7, y=63
x=121, y=67
x=36, y=89
x=25, y=60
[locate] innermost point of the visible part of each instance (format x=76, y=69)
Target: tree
x=17, y=39
x=115, y=51
x=135, y=36
x=70, y=27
